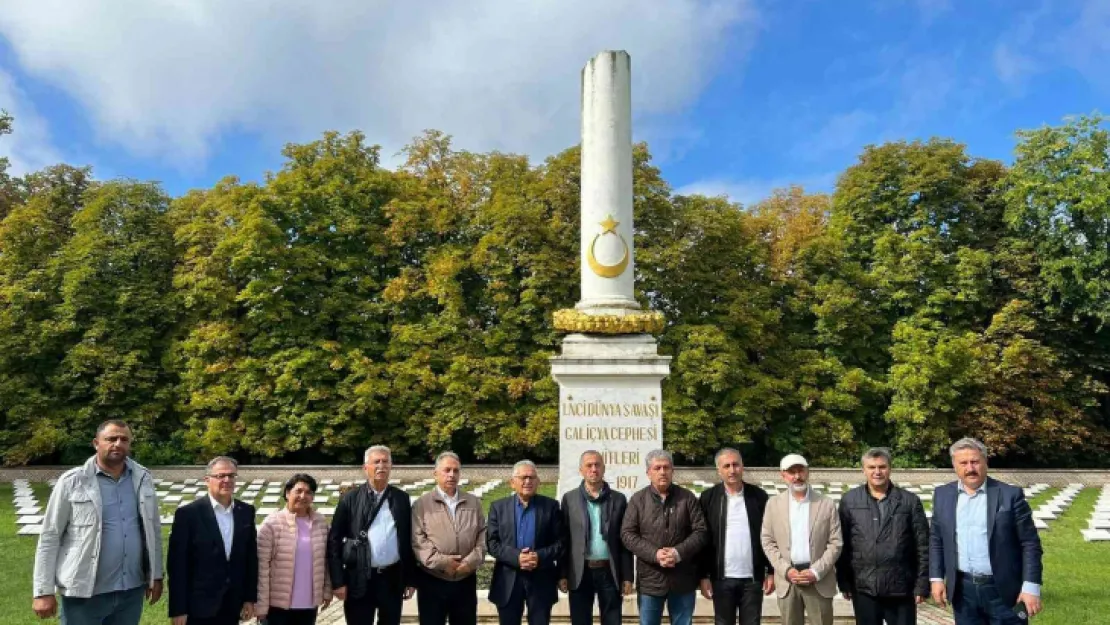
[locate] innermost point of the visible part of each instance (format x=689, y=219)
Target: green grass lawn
x=1076, y=573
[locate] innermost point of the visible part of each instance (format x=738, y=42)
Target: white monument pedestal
x=610, y=401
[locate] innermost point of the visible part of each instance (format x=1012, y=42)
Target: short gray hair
x=727, y=450
x=377, y=449
x=877, y=452
x=967, y=443
x=525, y=463
x=590, y=452
x=221, y=459
x=448, y=454
x=658, y=454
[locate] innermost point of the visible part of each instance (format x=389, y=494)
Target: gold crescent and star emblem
x=609, y=226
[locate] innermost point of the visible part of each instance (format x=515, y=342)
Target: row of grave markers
x=173, y=494
x=269, y=494
x=836, y=490
x=28, y=512
x=1098, y=528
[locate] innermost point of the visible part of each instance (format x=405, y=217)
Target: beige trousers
x=802, y=600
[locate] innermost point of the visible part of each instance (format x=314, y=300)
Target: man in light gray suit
x=597, y=562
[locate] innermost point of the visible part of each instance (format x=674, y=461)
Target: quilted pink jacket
x=277, y=546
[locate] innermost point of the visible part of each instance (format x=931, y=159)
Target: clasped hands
x=456, y=565
x=801, y=578
x=529, y=560
x=667, y=557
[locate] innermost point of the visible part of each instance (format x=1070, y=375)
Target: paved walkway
x=927, y=614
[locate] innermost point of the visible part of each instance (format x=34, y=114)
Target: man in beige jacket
x=449, y=540
x=801, y=538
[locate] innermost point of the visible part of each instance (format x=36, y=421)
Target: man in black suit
x=984, y=551
x=734, y=569
x=596, y=561
x=524, y=534
x=370, y=556
x=213, y=557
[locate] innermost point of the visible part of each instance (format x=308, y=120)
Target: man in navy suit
x=213, y=554
x=984, y=551
x=524, y=533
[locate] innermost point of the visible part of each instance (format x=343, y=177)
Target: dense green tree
x=32, y=341
x=338, y=303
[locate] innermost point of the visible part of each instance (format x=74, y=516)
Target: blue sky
x=735, y=97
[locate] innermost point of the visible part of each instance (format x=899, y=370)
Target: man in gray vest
x=597, y=562
x=101, y=541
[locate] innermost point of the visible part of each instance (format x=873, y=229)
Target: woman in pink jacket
x=292, y=566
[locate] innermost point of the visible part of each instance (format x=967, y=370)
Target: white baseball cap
x=792, y=460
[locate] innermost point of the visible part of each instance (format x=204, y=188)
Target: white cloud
x=28, y=148
x=169, y=77
x=749, y=192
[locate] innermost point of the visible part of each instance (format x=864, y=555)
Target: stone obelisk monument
x=609, y=372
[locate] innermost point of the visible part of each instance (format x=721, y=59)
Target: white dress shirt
x=452, y=502
x=738, y=538
x=799, y=529
x=226, y=520
x=382, y=536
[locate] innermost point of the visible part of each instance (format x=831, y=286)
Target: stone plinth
x=609, y=401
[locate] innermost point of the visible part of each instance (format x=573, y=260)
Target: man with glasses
x=525, y=535
x=101, y=542
x=213, y=554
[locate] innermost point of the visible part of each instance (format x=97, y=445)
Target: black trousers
x=874, y=610
x=440, y=601
x=734, y=598
x=600, y=583
x=278, y=616
x=385, y=594
x=524, y=593
x=228, y=614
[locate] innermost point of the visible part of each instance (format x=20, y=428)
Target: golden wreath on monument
x=571, y=320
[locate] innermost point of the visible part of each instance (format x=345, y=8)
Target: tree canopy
x=339, y=303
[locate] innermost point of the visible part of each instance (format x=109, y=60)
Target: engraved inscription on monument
x=621, y=423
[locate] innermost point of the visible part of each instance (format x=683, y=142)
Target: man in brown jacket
x=449, y=540
x=801, y=538
x=665, y=527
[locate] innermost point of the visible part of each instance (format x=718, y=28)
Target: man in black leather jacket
x=884, y=566
x=370, y=558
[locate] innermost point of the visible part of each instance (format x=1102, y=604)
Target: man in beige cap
x=801, y=538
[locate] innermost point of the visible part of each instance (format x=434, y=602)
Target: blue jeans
x=980, y=604
x=680, y=607
x=123, y=607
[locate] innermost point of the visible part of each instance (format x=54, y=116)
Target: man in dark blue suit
x=213, y=555
x=984, y=551
x=524, y=533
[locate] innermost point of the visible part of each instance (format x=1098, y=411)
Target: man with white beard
x=801, y=538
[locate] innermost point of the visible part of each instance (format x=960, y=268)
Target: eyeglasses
x=224, y=476
x=526, y=478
